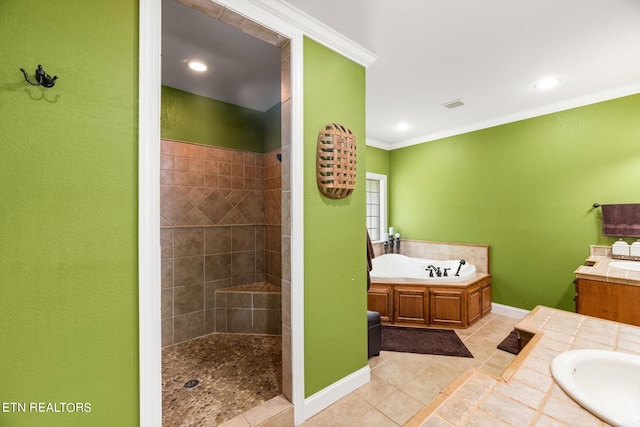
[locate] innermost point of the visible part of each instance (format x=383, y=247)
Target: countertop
x=427, y=282
x=526, y=393
x=598, y=268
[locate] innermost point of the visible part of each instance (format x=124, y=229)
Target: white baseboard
x=505, y=310
x=336, y=391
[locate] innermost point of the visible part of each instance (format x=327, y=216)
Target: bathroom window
x=376, y=205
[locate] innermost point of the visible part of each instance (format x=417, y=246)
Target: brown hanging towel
x=621, y=220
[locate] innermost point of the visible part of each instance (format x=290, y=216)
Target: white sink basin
x=606, y=383
x=626, y=265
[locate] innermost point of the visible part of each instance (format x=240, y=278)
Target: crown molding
x=318, y=31
x=379, y=144
x=523, y=115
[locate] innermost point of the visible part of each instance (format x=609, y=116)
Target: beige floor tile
x=403, y=383
x=423, y=388
x=399, y=406
x=396, y=372
x=375, y=390
x=320, y=420
x=348, y=409
x=373, y=417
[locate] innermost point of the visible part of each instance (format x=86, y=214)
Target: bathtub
x=396, y=267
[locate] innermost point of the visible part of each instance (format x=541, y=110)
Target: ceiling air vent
x=454, y=104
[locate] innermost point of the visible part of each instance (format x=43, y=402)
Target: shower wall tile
x=239, y=320
x=217, y=267
x=243, y=238
x=188, y=242
x=188, y=270
x=188, y=326
x=221, y=227
x=166, y=299
x=166, y=243
x=166, y=274
x=217, y=240
x=210, y=321
x=187, y=299
x=267, y=322
x=167, y=331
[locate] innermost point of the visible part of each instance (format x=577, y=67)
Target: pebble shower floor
x=234, y=373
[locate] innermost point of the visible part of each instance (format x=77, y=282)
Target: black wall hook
x=42, y=78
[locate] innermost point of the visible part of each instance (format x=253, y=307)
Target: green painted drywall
x=68, y=215
x=377, y=161
x=194, y=118
x=335, y=287
x=525, y=188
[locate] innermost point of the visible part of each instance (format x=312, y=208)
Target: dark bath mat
x=510, y=344
x=443, y=342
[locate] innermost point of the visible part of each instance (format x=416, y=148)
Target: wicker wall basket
x=336, y=161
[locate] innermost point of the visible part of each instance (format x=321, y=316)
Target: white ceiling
x=243, y=70
x=488, y=53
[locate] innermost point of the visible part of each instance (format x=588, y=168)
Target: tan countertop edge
x=424, y=413
x=477, y=278
x=598, y=269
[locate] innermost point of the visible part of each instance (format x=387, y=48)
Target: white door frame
x=149, y=205
x=291, y=23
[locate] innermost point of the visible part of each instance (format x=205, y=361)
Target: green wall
x=525, y=188
x=378, y=161
x=335, y=327
x=68, y=253
x=195, y=118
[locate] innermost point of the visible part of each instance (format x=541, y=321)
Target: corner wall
x=526, y=189
x=68, y=217
x=335, y=286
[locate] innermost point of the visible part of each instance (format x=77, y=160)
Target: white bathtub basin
x=606, y=383
x=626, y=265
x=414, y=270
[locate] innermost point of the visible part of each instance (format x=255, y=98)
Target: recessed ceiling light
x=547, y=83
x=402, y=126
x=195, y=65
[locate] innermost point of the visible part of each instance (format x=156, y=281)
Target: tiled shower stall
x=221, y=241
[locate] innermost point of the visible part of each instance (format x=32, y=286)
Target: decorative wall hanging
x=336, y=161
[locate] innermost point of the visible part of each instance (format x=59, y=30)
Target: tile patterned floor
x=403, y=383
x=235, y=372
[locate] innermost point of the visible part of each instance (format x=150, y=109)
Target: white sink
x=626, y=265
x=606, y=383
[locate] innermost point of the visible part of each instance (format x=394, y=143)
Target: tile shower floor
x=235, y=372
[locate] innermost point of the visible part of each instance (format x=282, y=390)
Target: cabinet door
x=411, y=305
x=607, y=300
x=379, y=298
x=486, y=298
x=447, y=307
x=474, y=305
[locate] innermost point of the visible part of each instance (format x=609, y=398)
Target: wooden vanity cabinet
x=607, y=300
